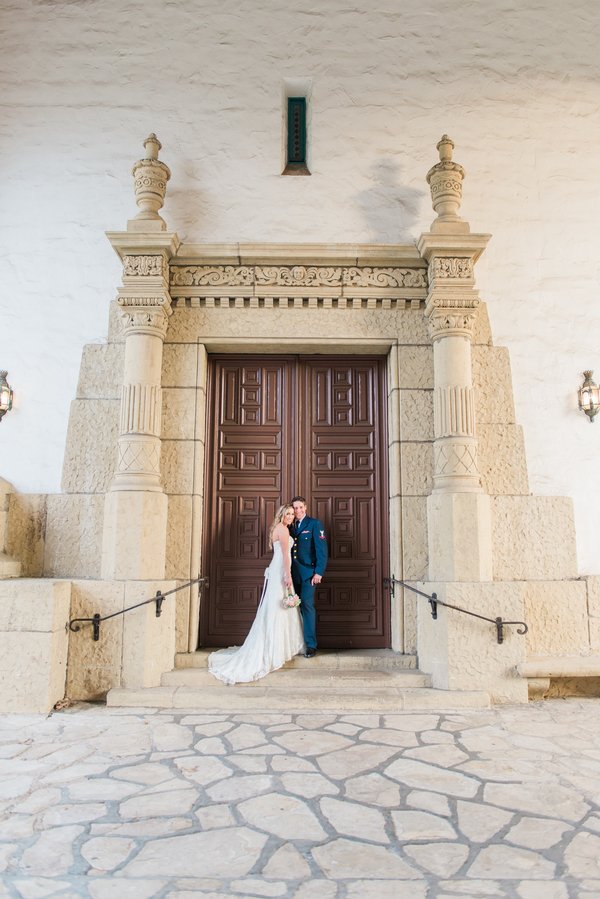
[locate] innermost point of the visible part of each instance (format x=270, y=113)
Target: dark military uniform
x=309, y=557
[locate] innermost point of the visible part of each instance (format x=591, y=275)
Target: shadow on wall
x=390, y=208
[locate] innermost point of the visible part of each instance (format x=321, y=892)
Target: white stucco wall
x=516, y=86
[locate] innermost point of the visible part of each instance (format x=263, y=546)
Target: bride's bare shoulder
x=280, y=531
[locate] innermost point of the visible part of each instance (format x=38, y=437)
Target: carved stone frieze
x=273, y=276
x=451, y=267
x=212, y=275
x=143, y=266
x=384, y=277
x=297, y=275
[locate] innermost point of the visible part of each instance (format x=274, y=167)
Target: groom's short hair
x=297, y=499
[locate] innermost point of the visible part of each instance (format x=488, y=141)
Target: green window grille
x=296, y=149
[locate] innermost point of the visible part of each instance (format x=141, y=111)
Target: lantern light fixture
x=6, y=395
x=589, y=396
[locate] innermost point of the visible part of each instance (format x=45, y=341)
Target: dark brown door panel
x=309, y=425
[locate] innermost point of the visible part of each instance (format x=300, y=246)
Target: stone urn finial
x=445, y=182
x=150, y=177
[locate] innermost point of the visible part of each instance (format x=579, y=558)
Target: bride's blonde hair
x=281, y=511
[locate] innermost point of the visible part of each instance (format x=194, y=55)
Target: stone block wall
x=33, y=644
x=74, y=518
x=132, y=650
x=26, y=531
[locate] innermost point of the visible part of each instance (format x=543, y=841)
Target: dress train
x=274, y=638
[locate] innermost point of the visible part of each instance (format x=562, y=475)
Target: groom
x=309, y=560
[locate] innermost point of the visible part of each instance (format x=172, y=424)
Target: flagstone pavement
x=105, y=802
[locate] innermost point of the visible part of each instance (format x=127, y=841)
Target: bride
x=276, y=633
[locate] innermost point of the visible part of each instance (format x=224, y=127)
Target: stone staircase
x=360, y=680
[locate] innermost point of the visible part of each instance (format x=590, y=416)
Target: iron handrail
x=75, y=624
x=434, y=602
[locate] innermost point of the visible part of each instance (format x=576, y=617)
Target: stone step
x=378, y=695
x=354, y=680
x=378, y=659
x=301, y=676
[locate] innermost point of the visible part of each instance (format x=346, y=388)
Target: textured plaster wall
x=516, y=86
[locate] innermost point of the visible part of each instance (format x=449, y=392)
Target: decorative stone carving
x=451, y=267
x=445, y=181
x=212, y=275
x=384, y=277
x=143, y=266
x=297, y=276
x=454, y=411
x=271, y=277
x=150, y=182
x=453, y=458
x=444, y=322
x=139, y=456
x=145, y=315
x=140, y=409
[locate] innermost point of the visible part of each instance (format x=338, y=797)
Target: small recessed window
x=296, y=137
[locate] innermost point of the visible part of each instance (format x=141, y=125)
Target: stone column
x=458, y=651
x=135, y=515
x=458, y=510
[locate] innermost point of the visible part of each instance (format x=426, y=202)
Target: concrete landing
x=370, y=680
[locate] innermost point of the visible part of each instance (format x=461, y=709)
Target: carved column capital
x=451, y=317
x=145, y=314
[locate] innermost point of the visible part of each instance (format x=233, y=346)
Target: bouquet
x=290, y=600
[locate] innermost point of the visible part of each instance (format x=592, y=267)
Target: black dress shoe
x=310, y=653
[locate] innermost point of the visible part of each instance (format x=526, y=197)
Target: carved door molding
x=314, y=425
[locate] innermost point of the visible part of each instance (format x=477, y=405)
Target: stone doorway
x=314, y=425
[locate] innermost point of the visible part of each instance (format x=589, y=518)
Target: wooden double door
x=308, y=425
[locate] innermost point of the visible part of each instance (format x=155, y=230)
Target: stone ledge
x=560, y=666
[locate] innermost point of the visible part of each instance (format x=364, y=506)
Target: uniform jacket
x=309, y=552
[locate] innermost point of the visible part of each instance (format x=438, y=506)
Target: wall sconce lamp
x=6, y=395
x=589, y=396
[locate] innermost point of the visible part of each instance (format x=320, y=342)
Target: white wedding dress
x=274, y=638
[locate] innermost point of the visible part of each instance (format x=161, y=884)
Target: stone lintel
x=299, y=254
